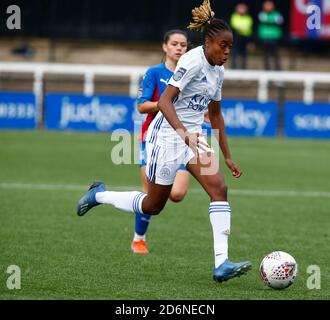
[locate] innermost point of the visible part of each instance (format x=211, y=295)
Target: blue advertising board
x=96, y=113
x=307, y=121
x=17, y=110
x=250, y=118
x=108, y=113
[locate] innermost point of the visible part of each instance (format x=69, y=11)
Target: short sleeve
x=147, y=87
x=218, y=94
x=185, y=71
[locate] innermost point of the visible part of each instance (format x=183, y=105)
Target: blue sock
x=141, y=224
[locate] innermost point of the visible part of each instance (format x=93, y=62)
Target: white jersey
x=198, y=82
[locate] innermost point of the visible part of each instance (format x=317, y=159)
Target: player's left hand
x=207, y=118
x=234, y=168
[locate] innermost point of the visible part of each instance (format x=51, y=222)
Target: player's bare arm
x=218, y=124
x=148, y=107
x=165, y=105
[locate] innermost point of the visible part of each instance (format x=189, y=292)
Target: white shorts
x=164, y=161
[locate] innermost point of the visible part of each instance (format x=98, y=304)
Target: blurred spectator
x=269, y=33
x=23, y=50
x=242, y=26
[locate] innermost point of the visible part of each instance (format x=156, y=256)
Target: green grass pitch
x=63, y=256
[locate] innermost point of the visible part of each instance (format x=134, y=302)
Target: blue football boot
x=229, y=270
x=88, y=201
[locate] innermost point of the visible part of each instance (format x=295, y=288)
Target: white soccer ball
x=278, y=270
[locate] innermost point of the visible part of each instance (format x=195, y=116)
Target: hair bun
x=201, y=15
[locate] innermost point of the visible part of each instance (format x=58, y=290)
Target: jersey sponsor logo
x=179, y=74
x=199, y=102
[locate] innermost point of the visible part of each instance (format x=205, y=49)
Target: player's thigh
x=206, y=171
x=180, y=186
x=144, y=179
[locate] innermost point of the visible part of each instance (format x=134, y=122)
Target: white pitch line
x=241, y=192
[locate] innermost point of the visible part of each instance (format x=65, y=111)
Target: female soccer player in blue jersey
x=154, y=83
x=175, y=137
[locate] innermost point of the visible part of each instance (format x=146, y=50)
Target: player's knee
x=178, y=196
x=219, y=192
x=155, y=209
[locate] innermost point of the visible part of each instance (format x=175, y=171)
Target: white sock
x=126, y=201
x=220, y=220
x=137, y=237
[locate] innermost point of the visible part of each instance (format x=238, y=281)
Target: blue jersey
x=152, y=87
x=154, y=83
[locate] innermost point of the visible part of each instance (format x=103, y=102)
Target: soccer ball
x=278, y=270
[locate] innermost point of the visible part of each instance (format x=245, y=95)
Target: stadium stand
x=140, y=54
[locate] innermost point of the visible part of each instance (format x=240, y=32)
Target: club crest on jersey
x=179, y=74
x=165, y=172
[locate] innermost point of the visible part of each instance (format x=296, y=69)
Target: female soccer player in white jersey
x=174, y=137
x=154, y=83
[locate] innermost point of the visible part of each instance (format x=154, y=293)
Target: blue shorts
x=143, y=157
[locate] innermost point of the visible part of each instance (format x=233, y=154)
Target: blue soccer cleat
x=229, y=270
x=88, y=201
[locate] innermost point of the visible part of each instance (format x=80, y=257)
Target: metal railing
x=89, y=72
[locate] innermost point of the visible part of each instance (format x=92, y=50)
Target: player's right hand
x=195, y=142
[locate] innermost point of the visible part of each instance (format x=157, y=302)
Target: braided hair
x=204, y=21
